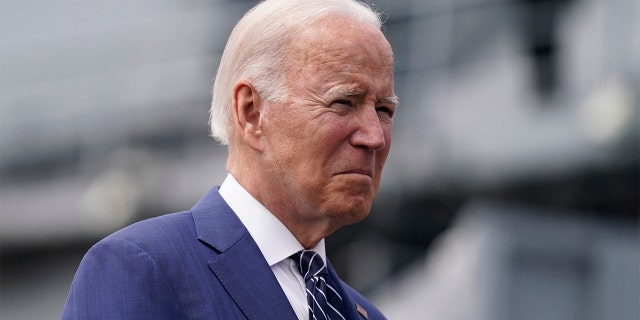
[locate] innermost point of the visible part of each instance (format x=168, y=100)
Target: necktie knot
x=324, y=301
x=310, y=264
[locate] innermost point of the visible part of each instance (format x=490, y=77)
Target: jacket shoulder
x=156, y=230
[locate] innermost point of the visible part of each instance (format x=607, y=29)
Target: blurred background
x=511, y=192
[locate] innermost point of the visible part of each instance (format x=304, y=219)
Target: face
x=326, y=146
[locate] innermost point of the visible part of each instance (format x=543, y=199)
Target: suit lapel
x=349, y=304
x=251, y=282
x=240, y=266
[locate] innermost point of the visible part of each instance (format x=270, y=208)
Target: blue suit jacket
x=198, y=264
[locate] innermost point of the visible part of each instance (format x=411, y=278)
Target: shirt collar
x=273, y=238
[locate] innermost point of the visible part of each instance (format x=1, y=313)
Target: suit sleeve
x=118, y=280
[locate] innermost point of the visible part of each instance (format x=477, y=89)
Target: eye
x=342, y=106
x=386, y=111
x=343, y=102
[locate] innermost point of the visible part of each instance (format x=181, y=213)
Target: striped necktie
x=323, y=300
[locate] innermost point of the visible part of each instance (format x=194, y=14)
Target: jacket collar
x=349, y=303
x=239, y=265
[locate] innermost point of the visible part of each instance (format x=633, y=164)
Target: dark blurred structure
x=518, y=123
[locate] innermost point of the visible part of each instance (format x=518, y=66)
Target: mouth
x=363, y=172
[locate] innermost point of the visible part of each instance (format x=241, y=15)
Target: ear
x=247, y=108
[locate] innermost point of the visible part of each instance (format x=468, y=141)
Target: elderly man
x=304, y=100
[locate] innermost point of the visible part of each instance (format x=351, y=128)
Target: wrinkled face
x=328, y=143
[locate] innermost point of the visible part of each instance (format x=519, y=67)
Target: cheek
x=283, y=130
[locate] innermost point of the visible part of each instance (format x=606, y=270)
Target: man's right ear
x=247, y=110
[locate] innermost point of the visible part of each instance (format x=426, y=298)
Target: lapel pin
x=362, y=311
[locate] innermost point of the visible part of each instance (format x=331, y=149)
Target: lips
x=365, y=172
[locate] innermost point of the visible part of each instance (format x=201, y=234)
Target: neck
x=308, y=230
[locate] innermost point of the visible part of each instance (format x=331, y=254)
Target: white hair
x=256, y=50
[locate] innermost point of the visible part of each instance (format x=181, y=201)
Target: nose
x=369, y=133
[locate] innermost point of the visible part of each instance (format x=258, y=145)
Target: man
x=304, y=99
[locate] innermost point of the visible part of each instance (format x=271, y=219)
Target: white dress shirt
x=275, y=241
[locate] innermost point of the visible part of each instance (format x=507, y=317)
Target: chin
x=353, y=213
x=357, y=217
x=348, y=203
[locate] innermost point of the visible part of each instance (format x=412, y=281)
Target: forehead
x=334, y=49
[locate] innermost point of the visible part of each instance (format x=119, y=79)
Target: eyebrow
x=355, y=92
x=393, y=99
x=348, y=92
